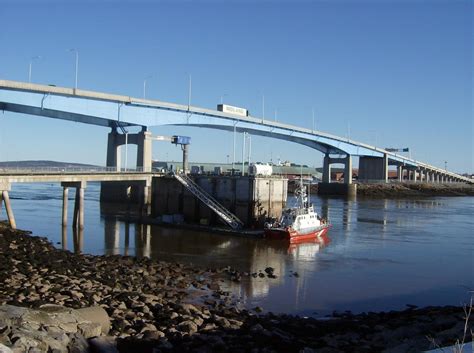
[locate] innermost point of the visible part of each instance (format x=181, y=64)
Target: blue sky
x=391, y=73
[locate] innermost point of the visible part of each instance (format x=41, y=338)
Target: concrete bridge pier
x=400, y=172
x=373, y=168
x=328, y=188
x=5, y=198
x=422, y=175
x=78, y=216
x=346, y=161
x=144, y=148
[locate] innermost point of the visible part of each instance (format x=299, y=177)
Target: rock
x=149, y=327
x=90, y=329
x=5, y=349
x=256, y=328
x=103, y=344
x=153, y=335
x=269, y=270
x=188, y=327
x=79, y=344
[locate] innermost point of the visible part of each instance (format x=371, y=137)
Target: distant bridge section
x=118, y=111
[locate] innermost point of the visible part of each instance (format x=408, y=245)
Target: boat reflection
x=307, y=249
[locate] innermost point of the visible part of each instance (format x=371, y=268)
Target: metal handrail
x=68, y=170
x=209, y=201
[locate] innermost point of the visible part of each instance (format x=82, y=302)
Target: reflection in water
x=308, y=248
x=398, y=251
x=112, y=230
x=78, y=236
x=127, y=239
x=77, y=239
x=348, y=206
x=143, y=240
x=111, y=236
x=64, y=238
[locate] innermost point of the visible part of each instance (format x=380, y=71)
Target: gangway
x=209, y=201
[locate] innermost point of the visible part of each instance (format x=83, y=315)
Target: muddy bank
x=171, y=307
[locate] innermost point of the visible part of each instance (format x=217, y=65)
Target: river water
x=379, y=255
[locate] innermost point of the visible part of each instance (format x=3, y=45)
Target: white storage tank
x=260, y=169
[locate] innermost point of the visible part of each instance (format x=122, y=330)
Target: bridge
x=73, y=178
x=118, y=112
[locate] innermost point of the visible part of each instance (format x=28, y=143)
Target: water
x=380, y=254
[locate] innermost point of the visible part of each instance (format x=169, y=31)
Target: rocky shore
x=170, y=307
x=402, y=190
x=396, y=190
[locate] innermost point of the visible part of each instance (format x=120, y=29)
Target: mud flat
x=170, y=307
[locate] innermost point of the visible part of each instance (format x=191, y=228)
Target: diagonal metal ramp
x=209, y=201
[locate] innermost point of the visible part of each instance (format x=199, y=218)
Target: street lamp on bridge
x=31, y=64
x=144, y=85
x=77, y=64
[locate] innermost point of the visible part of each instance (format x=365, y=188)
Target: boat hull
x=293, y=235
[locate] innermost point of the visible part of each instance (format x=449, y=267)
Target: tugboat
x=298, y=223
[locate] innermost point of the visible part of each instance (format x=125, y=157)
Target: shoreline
x=402, y=190
x=173, y=307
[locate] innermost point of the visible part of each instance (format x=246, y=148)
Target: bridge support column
x=113, y=150
x=327, y=169
x=328, y=188
x=348, y=170
x=400, y=173
x=78, y=217
x=373, y=168
x=144, y=151
x=65, y=201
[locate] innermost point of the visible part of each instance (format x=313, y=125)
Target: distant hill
x=43, y=164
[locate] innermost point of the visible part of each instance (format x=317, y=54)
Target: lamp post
x=190, y=91
x=144, y=85
x=243, y=153
x=31, y=64
x=77, y=64
x=222, y=98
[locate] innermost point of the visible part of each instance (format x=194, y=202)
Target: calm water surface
x=380, y=254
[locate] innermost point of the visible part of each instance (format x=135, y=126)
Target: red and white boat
x=298, y=223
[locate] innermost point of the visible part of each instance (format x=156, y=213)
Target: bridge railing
x=67, y=170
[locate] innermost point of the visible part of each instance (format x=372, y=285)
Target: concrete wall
x=337, y=189
x=250, y=199
x=122, y=191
